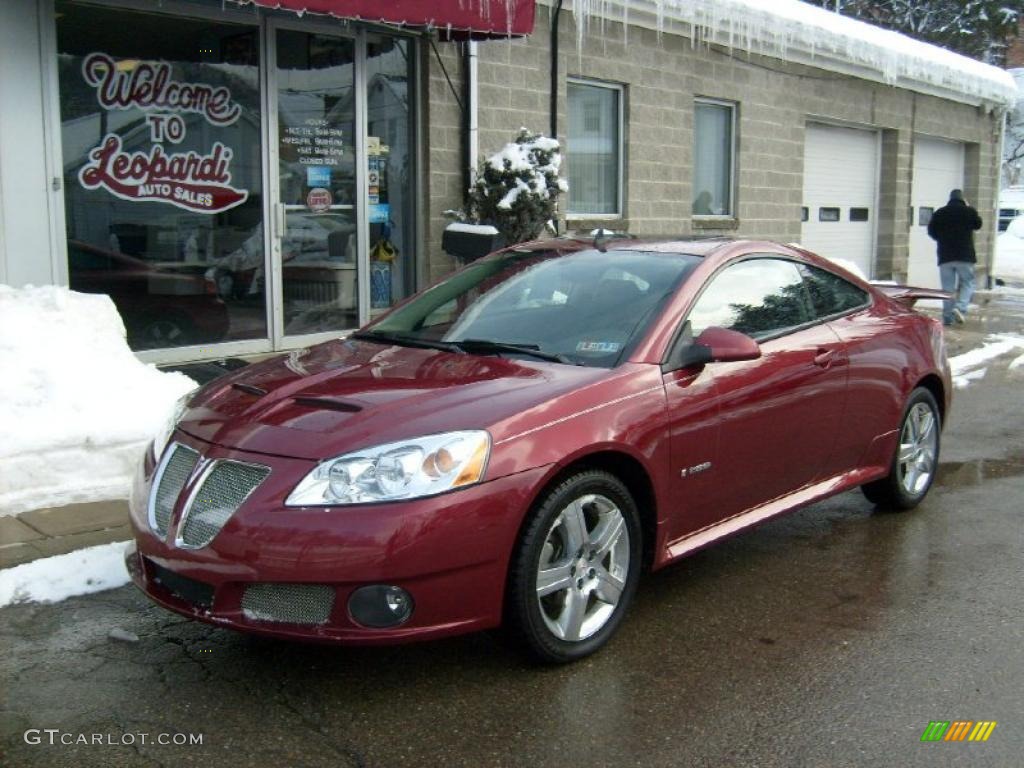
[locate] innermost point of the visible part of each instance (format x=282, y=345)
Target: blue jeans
x=957, y=278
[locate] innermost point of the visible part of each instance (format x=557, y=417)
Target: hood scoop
x=329, y=403
x=249, y=389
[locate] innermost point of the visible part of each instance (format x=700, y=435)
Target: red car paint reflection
x=767, y=378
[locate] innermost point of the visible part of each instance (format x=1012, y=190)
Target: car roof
x=696, y=246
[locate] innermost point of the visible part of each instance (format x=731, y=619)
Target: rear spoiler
x=908, y=296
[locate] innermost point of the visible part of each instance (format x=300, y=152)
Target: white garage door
x=938, y=168
x=840, y=192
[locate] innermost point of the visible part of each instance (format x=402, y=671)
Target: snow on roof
x=806, y=34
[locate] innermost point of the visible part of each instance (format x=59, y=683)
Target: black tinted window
x=759, y=297
x=832, y=294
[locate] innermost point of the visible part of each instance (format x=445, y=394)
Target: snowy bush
x=516, y=188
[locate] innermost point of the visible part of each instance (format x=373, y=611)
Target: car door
x=748, y=432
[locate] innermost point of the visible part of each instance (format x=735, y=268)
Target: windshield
x=585, y=308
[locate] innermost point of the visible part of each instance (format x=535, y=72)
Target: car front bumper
x=449, y=552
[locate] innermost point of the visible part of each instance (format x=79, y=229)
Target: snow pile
x=77, y=408
x=53, y=579
x=967, y=367
x=796, y=31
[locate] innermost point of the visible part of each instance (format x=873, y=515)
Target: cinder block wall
x=662, y=76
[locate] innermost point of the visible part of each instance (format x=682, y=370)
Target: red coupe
x=515, y=444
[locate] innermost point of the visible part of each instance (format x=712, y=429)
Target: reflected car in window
x=162, y=304
x=516, y=444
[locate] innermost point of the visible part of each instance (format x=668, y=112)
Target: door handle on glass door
x=280, y=220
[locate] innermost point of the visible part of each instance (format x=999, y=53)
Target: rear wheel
x=576, y=568
x=916, y=459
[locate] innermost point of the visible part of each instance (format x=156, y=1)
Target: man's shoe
x=959, y=316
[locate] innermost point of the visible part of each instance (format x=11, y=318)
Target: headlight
x=410, y=469
x=168, y=427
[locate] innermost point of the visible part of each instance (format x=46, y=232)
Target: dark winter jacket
x=952, y=227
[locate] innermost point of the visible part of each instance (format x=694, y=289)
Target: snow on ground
x=53, y=579
x=77, y=408
x=967, y=366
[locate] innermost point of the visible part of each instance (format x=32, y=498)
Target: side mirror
x=714, y=345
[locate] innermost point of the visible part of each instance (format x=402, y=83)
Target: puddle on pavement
x=960, y=474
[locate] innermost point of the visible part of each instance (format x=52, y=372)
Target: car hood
x=346, y=395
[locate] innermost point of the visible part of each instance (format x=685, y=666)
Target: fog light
x=380, y=606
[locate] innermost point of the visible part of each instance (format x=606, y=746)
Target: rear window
x=831, y=294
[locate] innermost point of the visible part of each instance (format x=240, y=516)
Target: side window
x=832, y=294
x=758, y=297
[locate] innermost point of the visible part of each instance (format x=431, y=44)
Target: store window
x=160, y=129
x=594, y=149
x=713, y=158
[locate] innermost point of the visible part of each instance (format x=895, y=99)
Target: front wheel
x=576, y=568
x=916, y=459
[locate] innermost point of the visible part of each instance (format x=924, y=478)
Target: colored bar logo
x=958, y=730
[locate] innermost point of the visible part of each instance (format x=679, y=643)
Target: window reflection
x=163, y=177
x=760, y=298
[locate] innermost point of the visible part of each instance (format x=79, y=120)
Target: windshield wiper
x=404, y=340
x=530, y=350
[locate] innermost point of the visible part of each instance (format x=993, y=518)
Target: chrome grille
x=288, y=603
x=176, y=467
x=221, y=492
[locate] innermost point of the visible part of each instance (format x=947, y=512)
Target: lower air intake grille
x=226, y=485
x=191, y=591
x=288, y=603
x=178, y=467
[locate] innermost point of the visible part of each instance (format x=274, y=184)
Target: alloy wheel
x=583, y=567
x=918, y=449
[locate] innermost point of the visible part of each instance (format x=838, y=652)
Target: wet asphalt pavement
x=828, y=638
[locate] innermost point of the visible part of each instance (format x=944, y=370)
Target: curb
x=58, y=530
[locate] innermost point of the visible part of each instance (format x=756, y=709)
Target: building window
x=164, y=206
x=595, y=149
x=714, y=141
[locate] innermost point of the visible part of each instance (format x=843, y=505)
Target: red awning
x=472, y=18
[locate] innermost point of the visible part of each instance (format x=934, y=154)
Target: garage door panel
x=938, y=168
x=841, y=171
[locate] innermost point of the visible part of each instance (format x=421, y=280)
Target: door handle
x=825, y=357
x=280, y=220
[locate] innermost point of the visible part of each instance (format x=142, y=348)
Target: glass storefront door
x=235, y=183
x=317, y=228
x=390, y=181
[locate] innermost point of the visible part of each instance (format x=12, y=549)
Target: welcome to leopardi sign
x=189, y=180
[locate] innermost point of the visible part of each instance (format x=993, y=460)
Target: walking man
x=952, y=227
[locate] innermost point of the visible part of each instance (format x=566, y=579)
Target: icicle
x=785, y=26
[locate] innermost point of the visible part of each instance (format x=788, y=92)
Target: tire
x=171, y=329
x=916, y=458
x=583, y=540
